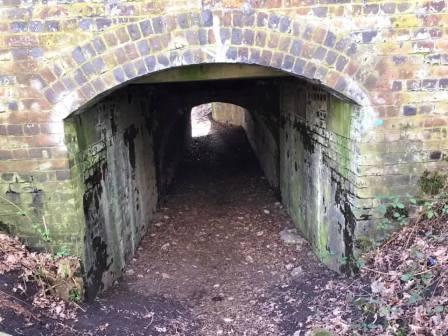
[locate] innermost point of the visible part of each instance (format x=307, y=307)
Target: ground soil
x=213, y=263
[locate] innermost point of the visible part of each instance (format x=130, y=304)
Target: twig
x=17, y=208
x=413, y=230
x=375, y=271
x=44, y=222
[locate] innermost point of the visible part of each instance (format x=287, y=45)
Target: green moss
x=340, y=122
x=320, y=332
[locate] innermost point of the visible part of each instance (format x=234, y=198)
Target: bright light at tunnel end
x=200, y=122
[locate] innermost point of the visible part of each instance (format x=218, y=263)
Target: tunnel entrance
x=127, y=148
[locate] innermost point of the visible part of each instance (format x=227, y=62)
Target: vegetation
x=402, y=288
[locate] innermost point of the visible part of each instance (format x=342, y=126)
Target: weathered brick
x=232, y=53
x=319, y=53
x=183, y=21
x=122, y=35
x=409, y=110
x=285, y=24
x=192, y=37
x=429, y=84
x=284, y=43
x=260, y=39
x=265, y=57
x=150, y=63
x=237, y=36
x=52, y=26
x=98, y=85
x=31, y=129
x=254, y=55
x=225, y=34
x=369, y=36
x=248, y=37
x=262, y=19
x=163, y=60
x=273, y=21
x=341, y=63
x=5, y=155
x=443, y=84
x=129, y=70
x=134, y=32
x=396, y=85
x=330, y=39
x=78, y=55
x=296, y=47
x=158, y=25
x=435, y=155
x=206, y=18
x=273, y=41
x=243, y=54
x=119, y=75
x=146, y=27
x=63, y=175
x=299, y=66
x=288, y=62
x=103, y=23
x=15, y=129
x=111, y=39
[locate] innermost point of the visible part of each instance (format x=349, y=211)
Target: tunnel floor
x=218, y=260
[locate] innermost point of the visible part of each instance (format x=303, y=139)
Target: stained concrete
x=127, y=148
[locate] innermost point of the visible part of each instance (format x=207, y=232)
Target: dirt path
x=214, y=262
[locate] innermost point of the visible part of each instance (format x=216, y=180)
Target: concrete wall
x=114, y=167
x=261, y=138
x=310, y=160
x=264, y=143
x=317, y=177
x=228, y=113
x=172, y=134
x=308, y=154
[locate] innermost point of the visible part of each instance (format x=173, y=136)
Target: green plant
x=394, y=210
x=431, y=183
x=63, y=252
x=74, y=295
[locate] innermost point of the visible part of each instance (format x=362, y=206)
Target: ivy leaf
x=439, y=309
x=382, y=209
x=406, y=277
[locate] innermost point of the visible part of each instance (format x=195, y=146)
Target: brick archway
x=82, y=76
x=141, y=48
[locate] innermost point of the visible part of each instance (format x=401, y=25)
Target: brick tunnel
x=95, y=113
x=126, y=149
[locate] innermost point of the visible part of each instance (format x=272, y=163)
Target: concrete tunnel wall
x=126, y=149
x=309, y=160
x=119, y=155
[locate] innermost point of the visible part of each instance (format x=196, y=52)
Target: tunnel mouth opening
x=203, y=115
x=128, y=148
